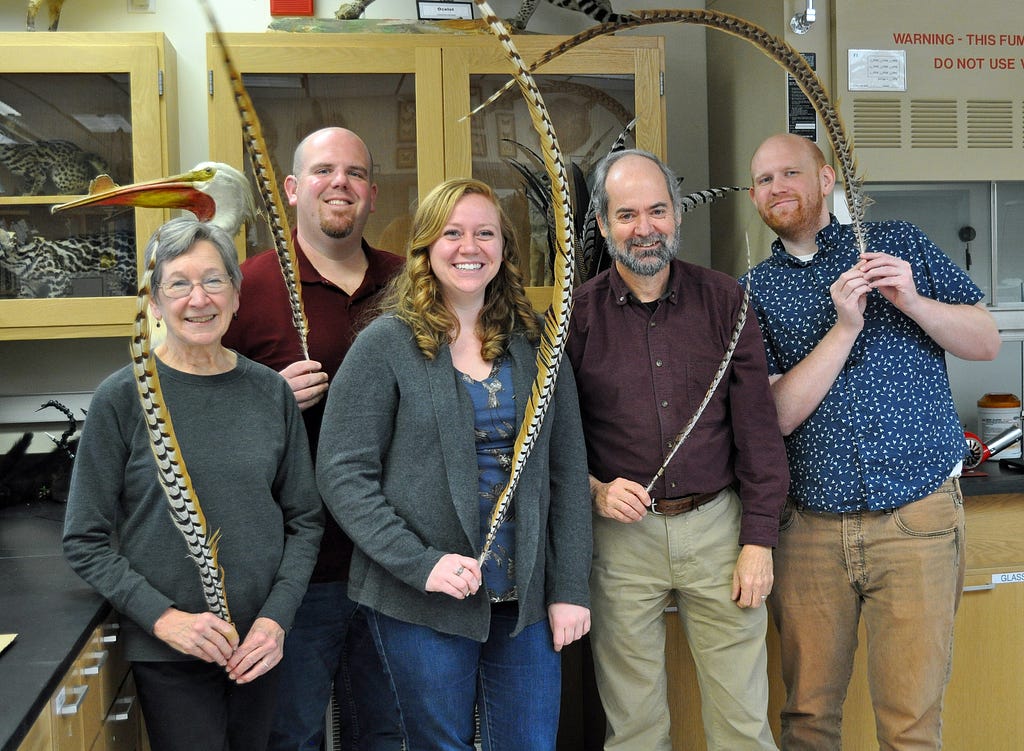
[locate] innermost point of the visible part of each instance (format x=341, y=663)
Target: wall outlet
x=142, y=6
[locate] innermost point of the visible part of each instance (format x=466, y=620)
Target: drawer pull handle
x=979, y=587
x=63, y=707
x=121, y=711
x=99, y=660
x=110, y=633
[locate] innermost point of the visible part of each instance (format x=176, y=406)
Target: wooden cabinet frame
x=148, y=60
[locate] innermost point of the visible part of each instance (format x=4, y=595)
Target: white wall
x=47, y=367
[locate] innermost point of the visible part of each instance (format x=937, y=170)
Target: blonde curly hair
x=415, y=297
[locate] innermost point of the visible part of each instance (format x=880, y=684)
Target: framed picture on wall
x=406, y=121
x=405, y=157
x=506, y=123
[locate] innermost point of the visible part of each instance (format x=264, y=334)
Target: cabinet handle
x=110, y=633
x=99, y=658
x=979, y=587
x=79, y=692
x=121, y=710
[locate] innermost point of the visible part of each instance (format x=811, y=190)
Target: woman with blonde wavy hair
x=431, y=395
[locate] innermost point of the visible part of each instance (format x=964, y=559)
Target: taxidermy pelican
x=215, y=192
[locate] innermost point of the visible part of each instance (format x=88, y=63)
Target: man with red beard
x=646, y=338
x=332, y=190
x=874, y=525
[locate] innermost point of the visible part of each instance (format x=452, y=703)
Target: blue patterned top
x=887, y=432
x=495, y=432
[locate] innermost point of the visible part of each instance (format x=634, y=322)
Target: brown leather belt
x=682, y=504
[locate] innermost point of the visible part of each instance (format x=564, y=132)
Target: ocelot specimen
x=46, y=268
x=67, y=166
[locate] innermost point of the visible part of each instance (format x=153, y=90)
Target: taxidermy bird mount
x=33, y=11
x=215, y=192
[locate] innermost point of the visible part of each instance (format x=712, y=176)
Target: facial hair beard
x=795, y=223
x=646, y=261
x=337, y=227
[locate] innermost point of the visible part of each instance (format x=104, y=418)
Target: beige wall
x=747, y=96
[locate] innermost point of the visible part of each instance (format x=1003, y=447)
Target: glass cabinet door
x=370, y=84
x=407, y=96
x=72, y=107
x=591, y=94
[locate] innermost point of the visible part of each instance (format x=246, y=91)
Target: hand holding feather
x=262, y=649
x=455, y=575
x=201, y=635
x=307, y=381
x=621, y=499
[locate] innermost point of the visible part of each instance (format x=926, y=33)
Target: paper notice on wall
x=877, y=70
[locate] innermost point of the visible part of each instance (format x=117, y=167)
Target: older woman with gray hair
x=203, y=682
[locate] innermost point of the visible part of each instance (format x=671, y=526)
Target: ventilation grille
x=989, y=124
x=933, y=124
x=876, y=123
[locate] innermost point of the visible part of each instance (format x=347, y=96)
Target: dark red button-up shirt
x=641, y=375
x=264, y=332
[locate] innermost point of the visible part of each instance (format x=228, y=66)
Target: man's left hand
x=753, y=577
x=892, y=277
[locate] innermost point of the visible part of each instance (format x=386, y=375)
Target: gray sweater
x=397, y=468
x=242, y=439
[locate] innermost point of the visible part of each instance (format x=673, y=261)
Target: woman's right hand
x=201, y=635
x=456, y=576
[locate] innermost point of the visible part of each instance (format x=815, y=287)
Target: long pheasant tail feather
x=556, y=320
x=778, y=50
x=708, y=195
x=186, y=512
x=266, y=184
x=723, y=367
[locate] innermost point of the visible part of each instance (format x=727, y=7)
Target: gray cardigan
x=245, y=446
x=397, y=468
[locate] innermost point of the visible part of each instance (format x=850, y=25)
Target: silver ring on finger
x=459, y=570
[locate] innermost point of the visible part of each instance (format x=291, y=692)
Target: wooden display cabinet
x=73, y=105
x=406, y=95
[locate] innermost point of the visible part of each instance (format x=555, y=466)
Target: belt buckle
x=654, y=504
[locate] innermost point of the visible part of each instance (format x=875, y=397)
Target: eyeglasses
x=183, y=288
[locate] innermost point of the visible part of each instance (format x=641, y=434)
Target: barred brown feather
x=174, y=478
x=556, y=320
x=266, y=183
x=781, y=52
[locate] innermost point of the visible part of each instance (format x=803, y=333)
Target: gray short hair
x=599, y=193
x=178, y=236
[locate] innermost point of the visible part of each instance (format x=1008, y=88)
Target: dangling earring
x=158, y=323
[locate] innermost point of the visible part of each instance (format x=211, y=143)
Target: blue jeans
x=330, y=645
x=515, y=684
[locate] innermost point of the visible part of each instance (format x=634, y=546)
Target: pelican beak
x=176, y=192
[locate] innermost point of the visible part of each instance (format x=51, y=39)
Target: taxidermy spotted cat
x=67, y=166
x=46, y=268
x=599, y=10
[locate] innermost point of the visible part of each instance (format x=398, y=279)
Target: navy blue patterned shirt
x=887, y=432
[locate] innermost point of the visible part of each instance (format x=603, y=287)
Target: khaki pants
x=902, y=571
x=685, y=560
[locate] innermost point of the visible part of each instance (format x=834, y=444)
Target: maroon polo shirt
x=641, y=375
x=264, y=332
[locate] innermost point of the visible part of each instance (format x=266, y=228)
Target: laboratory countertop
x=47, y=605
